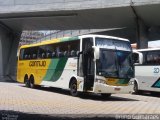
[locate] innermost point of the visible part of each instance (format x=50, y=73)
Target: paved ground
x=19, y=102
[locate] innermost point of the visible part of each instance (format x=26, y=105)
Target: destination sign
x=113, y=44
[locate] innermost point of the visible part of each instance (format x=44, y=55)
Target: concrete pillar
x=4, y=44
x=8, y=51
x=142, y=34
x=12, y=60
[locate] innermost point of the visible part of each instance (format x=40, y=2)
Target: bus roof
x=103, y=36
x=57, y=40
x=148, y=49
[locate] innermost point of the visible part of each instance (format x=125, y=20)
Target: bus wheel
x=135, y=88
x=31, y=81
x=26, y=82
x=73, y=88
x=105, y=95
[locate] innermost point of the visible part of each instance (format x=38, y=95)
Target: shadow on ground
x=91, y=96
x=14, y=115
x=111, y=98
x=8, y=79
x=149, y=94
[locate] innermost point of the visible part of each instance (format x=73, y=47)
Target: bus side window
x=34, y=56
x=60, y=54
x=150, y=59
x=49, y=50
x=29, y=56
x=73, y=53
x=57, y=51
x=26, y=57
x=43, y=55
x=87, y=44
x=48, y=55
x=42, y=52
x=73, y=48
x=65, y=54
x=22, y=55
x=159, y=59
x=53, y=54
x=156, y=56
x=156, y=59
x=26, y=53
x=77, y=53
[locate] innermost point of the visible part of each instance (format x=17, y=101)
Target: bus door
x=86, y=64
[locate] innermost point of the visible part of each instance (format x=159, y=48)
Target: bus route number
x=156, y=70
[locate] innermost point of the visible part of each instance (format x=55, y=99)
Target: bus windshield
x=116, y=64
x=116, y=60
x=125, y=64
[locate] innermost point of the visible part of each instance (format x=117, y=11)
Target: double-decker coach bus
x=147, y=70
x=87, y=63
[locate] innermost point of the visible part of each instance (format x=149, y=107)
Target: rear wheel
x=73, y=88
x=26, y=82
x=31, y=82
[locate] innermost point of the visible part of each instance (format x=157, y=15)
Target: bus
x=88, y=63
x=147, y=70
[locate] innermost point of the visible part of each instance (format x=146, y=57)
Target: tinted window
x=151, y=58
x=29, y=53
x=87, y=43
x=50, y=51
x=42, y=52
x=21, y=55
x=67, y=49
x=63, y=49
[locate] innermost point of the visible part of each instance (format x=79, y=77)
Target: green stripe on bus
x=123, y=81
x=55, y=69
x=68, y=39
x=157, y=84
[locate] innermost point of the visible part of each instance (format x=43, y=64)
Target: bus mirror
x=96, y=52
x=137, y=58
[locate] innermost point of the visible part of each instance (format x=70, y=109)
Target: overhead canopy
x=81, y=14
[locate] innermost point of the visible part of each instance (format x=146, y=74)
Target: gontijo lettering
x=37, y=63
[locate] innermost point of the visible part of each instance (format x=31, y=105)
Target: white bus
x=87, y=63
x=147, y=70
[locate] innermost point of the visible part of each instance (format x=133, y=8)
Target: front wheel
x=73, y=89
x=135, y=88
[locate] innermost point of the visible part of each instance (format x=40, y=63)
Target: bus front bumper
x=103, y=88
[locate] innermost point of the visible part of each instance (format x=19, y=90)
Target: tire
x=105, y=95
x=31, y=85
x=26, y=82
x=73, y=88
x=135, y=88
x=31, y=82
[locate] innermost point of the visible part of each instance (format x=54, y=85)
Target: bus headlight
x=131, y=82
x=101, y=81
